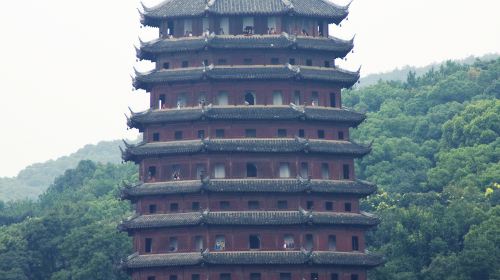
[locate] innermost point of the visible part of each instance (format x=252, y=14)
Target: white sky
x=66, y=65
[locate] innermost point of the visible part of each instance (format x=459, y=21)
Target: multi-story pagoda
x=246, y=167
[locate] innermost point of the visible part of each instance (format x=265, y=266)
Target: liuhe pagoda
x=246, y=164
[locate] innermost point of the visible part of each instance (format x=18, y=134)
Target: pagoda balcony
x=153, y=49
x=244, y=145
x=286, y=72
x=248, y=218
x=340, y=187
x=245, y=113
x=315, y=258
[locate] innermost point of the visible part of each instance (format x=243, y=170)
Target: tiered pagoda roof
x=358, y=187
x=237, y=113
x=248, y=218
x=151, y=50
x=244, y=145
x=195, y=8
x=253, y=258
x=336, y=76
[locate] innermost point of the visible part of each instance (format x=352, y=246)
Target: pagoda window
x=354, y=277
x=327, y=64
x=304, y=170
x=223, y=26
x=200, y=171
x=285, y=276
x=315, y=98
x=302, y=133
x=225, y=276
x=277, y=98
x=248, y=25
x=188, y=27
x=345, y=171
x=220, y=243
x=333, y=100
x=221, y=61
x=291, y=61
x=176, y=172
x=254, y=242
x=251, y=170
x=166, y=65
x=170, y=28
x=152, y=173
x=348, y=207
x=250, y=133
x=288, y=242
x=320, y=28
x=284, y=170
x=334, y=276
x=178, y=135
x=201, y=134
x=321, y=134
x=161, y=101
x=275, y=61
x=282, y=133
x=253, y=205
x=185, y=64
x=247, y=61
x=220, y=171
x=296, y=98
x=224, y=205
x=341, y=135
x=172, y=244
x=219, y=133
x=195, y=206
x=148, y=245
x=174, y=207
x=314, y=276
x=222, y=98
x=152, y=209
x=332, y=242
x=181, y=100
x=309, y=205
x=272, y=26
x=250, y=98
x=156, y=137
x=355, y=243
x=309, y=242
x=282, y=204
x=198, y=243
x=329, y=206
x=172, y=277
x=205, y=26
x=195, y=277
x=255, y=276
x=325, y=171
x=202, y=99
x=309, y=62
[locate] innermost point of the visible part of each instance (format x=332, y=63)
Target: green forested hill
x=436, y=160
x=35, y=179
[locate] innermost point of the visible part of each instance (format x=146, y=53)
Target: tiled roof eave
x=357, y=188
x=137, y=261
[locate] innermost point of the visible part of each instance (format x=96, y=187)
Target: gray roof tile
x=140, y=120
x=137, y=261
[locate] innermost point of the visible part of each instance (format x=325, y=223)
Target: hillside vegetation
x=435, y=158
x=35, y=179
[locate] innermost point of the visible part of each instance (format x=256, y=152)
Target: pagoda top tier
x=321, y=9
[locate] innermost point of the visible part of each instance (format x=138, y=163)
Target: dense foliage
x=70, y=233
x=435, y=158
x=36, y=178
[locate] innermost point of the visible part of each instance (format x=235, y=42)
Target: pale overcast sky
x=66, y=64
